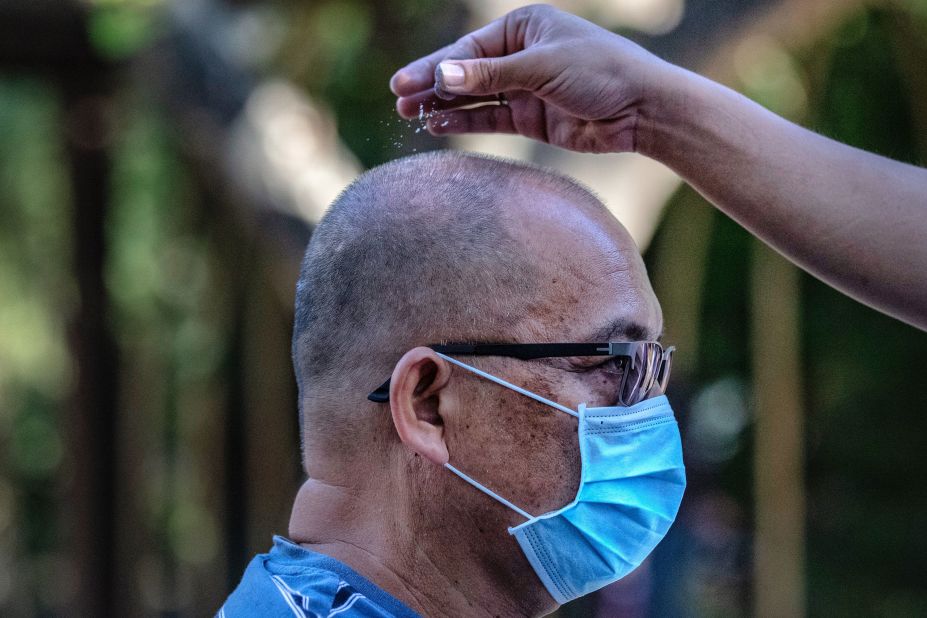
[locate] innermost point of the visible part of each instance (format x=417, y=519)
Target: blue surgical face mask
x=632, y=483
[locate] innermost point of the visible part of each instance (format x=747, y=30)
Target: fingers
x=486, y=119
x=524, y=70
x=490, y=40
x=425, y=103
x=419, y=75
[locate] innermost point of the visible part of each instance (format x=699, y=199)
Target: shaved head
x=449, y=247
x=417, y=251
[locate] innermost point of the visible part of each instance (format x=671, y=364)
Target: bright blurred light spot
x=31, y=347
x=649, y=16
x=717, y=419
x=289, y=148
x=770, y=76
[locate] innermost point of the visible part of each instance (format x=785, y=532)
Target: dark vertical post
x=91, y=502
x=236, y=273
x=236, y=485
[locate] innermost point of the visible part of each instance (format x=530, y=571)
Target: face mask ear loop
x=502, y=382
x=489, y=492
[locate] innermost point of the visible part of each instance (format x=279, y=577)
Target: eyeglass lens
x=649, y=366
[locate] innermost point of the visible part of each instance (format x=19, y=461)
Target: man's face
x=595, y=289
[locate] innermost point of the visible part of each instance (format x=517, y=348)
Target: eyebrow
x=624, y=330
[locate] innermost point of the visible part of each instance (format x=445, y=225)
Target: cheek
x=553, y=465
x=542, y=470
x=522, y=449
x=543, y=442
x=598, y=387
x=557, y=471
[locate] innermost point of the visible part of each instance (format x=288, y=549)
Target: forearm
x=856, y=220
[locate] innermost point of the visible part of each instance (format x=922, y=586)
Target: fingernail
x=451, y=74
x=396, y=80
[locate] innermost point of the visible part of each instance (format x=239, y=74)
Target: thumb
x=487, y=75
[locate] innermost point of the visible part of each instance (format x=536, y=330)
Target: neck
x=435, y=570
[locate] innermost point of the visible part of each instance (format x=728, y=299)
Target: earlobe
x=415, y=396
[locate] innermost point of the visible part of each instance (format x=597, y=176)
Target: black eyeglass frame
x=529, y=351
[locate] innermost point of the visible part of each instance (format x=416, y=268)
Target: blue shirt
x=291, y=581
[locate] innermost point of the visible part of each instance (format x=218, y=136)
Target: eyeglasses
x=644, y=365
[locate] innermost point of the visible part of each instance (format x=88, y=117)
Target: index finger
x=488, y=41
x=418, y=75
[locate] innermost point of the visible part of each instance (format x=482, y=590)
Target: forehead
x=594, y=283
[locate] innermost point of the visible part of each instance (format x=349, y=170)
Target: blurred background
x=162, y=164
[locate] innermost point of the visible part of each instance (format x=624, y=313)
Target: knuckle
x=532, y=10
x=524, y=14
x=486, y=74
x=538, y=71
x=537, y=7
x=468, y=47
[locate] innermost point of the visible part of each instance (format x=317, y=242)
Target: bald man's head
x=421, y=250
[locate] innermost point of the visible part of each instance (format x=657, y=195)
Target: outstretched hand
x=565, y=81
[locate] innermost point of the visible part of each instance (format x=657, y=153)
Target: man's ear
x=414, y=396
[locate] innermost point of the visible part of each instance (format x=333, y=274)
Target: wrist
x=668, y=111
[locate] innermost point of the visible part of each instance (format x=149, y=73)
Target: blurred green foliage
x=171, y=312
x=120, y=28
x=37, y=296
x=867, y=402
x=864, y=397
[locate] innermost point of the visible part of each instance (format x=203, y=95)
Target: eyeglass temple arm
x=522, y=351
x=381, y=395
